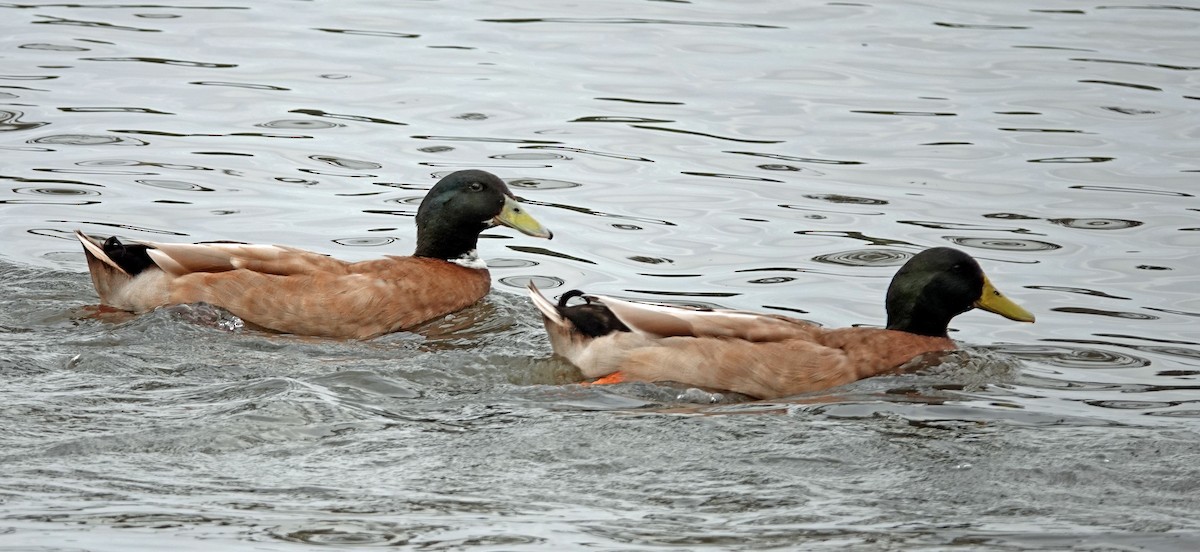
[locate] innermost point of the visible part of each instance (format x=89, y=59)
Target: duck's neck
x=457, y=246
x=920, y=318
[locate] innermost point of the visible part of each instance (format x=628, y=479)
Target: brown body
x=759, y=355
x=296, y=291
x=291, y=290
x=810, y=361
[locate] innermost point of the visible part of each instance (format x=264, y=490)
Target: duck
x=769, y=356
x=294, y=291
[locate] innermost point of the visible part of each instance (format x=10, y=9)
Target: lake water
x=776, y=155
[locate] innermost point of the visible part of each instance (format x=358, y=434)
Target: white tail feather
x=544, y=305
x=94, y=248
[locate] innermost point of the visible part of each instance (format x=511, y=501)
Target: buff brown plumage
x=770, y=356
x=300, y=292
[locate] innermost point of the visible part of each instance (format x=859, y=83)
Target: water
x=771, y=156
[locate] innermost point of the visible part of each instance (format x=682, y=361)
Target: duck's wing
x=138, y=276
x=608, y=335
x=185, y=258
x=177, y=259
x=659, y=321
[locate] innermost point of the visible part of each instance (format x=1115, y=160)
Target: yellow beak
x=513, y=216
x=994, y=301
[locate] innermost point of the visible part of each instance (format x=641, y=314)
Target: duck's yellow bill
x=994, y=301
x=515, y=216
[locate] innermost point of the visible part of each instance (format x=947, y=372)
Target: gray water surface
x=778, y=156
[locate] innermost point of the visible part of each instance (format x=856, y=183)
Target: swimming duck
x=768, y=356
x=300, y=292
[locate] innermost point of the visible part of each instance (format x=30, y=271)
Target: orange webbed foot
x=615, y=377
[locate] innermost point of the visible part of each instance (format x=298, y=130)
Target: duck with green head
x=300, y=292
x=769, y=356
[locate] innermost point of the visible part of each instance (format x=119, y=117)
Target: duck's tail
x=588, y=335
x=113, y=264
x=592, y=318
x=545, y=306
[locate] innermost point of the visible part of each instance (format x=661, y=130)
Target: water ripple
x=797, y=159
x=1096, y=223
x=531, y=156
x=51, y=20
x=365, y=242
x=88, y=140
x=143, y=132
x=146, y=110
x=178, y=185
x=618, y=119
x=854, y=235
x=522, y=282
x=1141, y=63
x=136, y=163
x=1100, y=312
x=1083, y=291
x=586, y=211
x=541, y=184
x=980, y=26
x=1072, y=357
x=10, y=121
x=55, y=191
x=484, y=139
x=1002, y=244
x=632, y=21
x=386, y=34
x=866, y=257
x=46, y=202
x=345, y=163
x=500, y=262
x=1095, y=159
x=905, y=113
x=845, y=199
x=300, y=124
x=547, y=252
x=707, y=135
x=730, y=176
x=45, y=180
x=1122, y=189
x=343, y=116
x=1122, y=84
x=164, y=61
x=53, y=47
x=594, y=152
x=246, y=85
x=772, y=280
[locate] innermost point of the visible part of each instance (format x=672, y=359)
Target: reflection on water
x=784, y=159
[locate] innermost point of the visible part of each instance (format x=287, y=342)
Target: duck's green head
x=938, y=284
x=460, y=206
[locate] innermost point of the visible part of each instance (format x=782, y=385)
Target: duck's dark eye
x=475, y=187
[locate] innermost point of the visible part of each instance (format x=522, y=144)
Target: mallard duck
x=300, y=292
x=768, y=356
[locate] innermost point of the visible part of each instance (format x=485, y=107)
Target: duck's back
x=361, y=300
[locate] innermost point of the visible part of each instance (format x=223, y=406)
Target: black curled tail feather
x=132, y=258
x=591, y=318
x=562, y=301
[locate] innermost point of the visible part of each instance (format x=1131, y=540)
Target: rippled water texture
x=781, y=156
